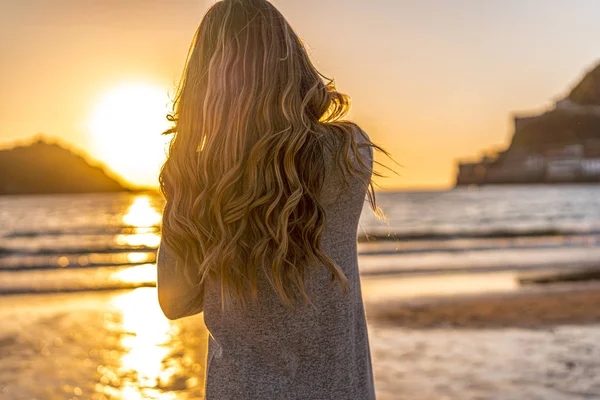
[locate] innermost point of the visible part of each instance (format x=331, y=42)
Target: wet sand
x=98, y=346
x=538, y=307
x=533, y=344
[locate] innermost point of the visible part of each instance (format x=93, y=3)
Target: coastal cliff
x=48, y=168
x=561, y=145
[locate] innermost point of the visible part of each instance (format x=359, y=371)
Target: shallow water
x=104, y=241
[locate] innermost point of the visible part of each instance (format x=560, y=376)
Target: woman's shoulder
x=348, y=146
x=346, y=140
x=348, y=127
x=344, y=134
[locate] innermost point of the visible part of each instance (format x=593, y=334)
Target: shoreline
x=462, y=301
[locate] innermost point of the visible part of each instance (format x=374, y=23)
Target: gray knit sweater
x=269, y=352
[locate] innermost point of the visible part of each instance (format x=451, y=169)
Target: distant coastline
x=47, y=167
x=559, y=146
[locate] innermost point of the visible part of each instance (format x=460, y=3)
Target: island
x=561, y=145
x=43, y=167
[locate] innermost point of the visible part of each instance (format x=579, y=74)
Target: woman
x=264, y=186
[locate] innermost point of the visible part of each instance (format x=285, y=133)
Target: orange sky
x=431, y=80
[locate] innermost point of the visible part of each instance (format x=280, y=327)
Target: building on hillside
x=571, y=163
x=559, y=145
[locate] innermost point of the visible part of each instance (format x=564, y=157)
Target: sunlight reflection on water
x=141, y=213
x=147, y=339
x=144, y=217
x=140, y=274
x=148, y=366
x=138, y=257
x=139, y=238
x=148, y=331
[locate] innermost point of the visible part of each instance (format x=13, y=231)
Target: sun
x=126, y=128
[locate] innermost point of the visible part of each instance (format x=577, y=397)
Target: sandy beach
x=529, y=344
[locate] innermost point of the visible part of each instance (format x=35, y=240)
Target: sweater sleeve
x=177, y=297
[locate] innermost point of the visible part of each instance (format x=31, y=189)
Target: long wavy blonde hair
x=246, y=165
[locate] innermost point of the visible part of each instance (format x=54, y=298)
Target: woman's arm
x=176, y=296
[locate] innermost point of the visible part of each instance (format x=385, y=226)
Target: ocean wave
x=68, y=251
x=453, y=246
x=77, y=280
x=367, y=234
x=76, y=261
x=50, y=290
x=110, y=253
x=88, y=231
x=379, y=235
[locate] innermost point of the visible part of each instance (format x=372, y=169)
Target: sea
x=91, y=242
x=67, y=332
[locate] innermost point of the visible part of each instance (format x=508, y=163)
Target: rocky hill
x=556, y=129
x=587, y=92
x=45, y=168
